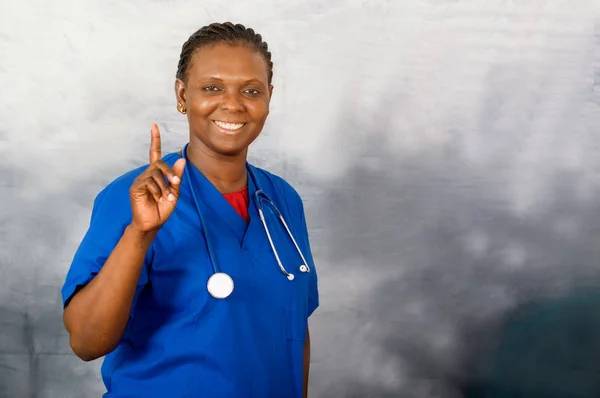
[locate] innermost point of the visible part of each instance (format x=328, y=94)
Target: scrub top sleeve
x=111, y=214
x=313, y=292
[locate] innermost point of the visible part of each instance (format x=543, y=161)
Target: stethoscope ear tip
x=303, y=268
x=290, y=277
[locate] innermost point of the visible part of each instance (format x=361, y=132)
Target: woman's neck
x=226, y=173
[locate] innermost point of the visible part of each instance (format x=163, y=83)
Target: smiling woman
x=195, y=277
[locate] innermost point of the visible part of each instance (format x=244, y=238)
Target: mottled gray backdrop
x=447, y=152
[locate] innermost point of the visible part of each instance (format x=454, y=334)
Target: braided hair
x=216, y=33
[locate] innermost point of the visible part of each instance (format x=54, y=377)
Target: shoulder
x=271, y=182
x=118, y=188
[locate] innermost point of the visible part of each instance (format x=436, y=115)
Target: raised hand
x=153, y=198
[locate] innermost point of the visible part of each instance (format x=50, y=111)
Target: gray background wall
x=447, y=153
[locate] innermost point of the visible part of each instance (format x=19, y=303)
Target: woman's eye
x=211, y=88
x=252, y=91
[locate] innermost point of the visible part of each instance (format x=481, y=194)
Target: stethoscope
x=220, y=284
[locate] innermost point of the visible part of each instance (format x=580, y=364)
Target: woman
x=139, y=290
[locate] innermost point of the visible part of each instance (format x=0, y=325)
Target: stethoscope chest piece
x=220, y=285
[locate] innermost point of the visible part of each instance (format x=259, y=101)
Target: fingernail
x=171, y=197
x=175, y=180
x=160, y=199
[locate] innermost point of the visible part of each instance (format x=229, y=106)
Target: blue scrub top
x=182, y=342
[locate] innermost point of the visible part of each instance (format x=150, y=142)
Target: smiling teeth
x=229, y=126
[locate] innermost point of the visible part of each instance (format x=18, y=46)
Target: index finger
x=155, y=147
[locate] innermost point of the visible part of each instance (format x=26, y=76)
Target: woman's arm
x=97, y=315
x=306, y=362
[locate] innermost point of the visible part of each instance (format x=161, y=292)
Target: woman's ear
x=180, y=93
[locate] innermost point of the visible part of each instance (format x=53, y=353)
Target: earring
x=181, y=109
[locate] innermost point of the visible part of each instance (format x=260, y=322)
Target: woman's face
x=226, y=96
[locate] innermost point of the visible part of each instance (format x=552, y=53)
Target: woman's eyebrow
x=253, y=80
x=247, y=81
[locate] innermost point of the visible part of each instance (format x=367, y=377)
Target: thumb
x=178, y=168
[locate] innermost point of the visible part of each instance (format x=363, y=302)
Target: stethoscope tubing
x=260, y=196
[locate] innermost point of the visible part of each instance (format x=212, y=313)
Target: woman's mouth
x=228, y=125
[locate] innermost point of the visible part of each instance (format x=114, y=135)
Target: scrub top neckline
x=209, y=195
x=239, y=191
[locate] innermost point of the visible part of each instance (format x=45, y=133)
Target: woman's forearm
x=306, y=362
x=97, y=315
